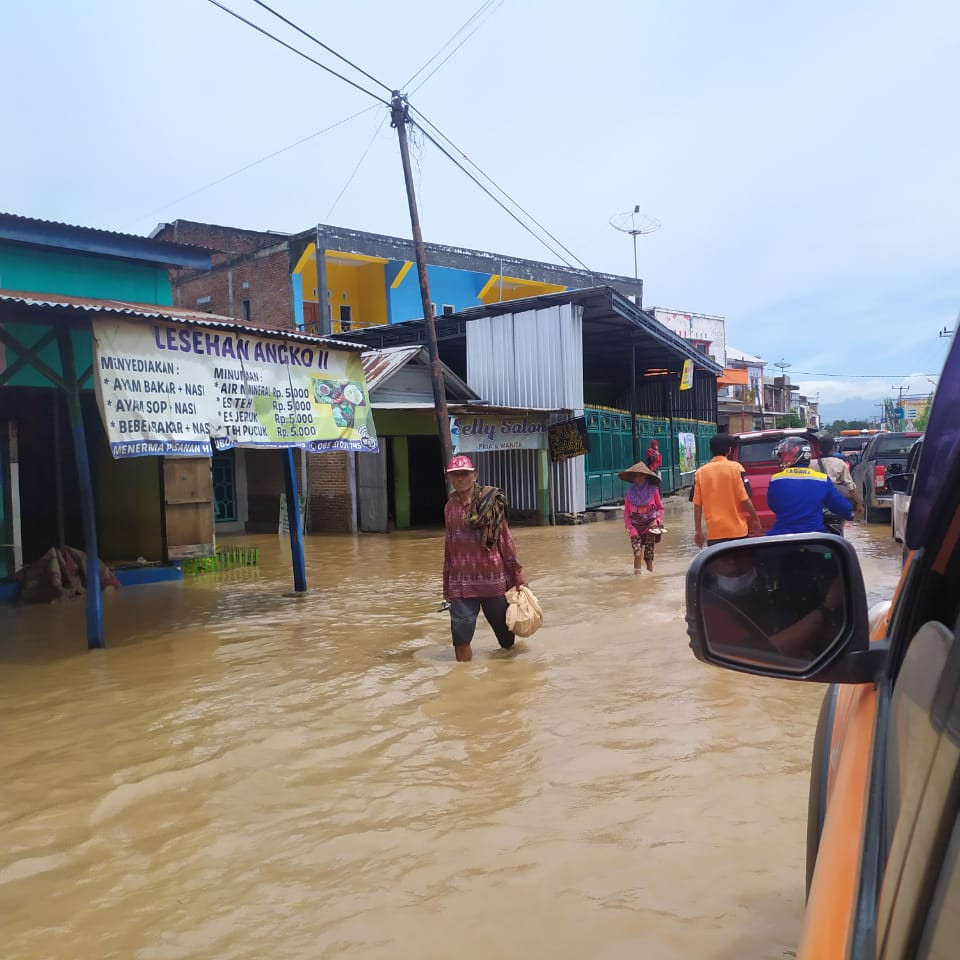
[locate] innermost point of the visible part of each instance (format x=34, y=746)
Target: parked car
x=850, y=448
x=883, y=831
x=885, y=455
x=902, y=487
x=754, y=450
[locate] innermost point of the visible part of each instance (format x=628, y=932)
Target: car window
x=920, y=800
x=893, y=446
x=942, y=931
x=757, y=451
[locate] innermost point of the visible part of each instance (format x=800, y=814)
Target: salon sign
x=484, y=433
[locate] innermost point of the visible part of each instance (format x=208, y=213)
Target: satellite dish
x=636, y=224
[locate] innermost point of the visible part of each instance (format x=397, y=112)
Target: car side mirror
x=899, y=482
x=792, y=607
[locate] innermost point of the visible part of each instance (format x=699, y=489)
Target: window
x=449, y=309
x=346, y=321
x=245, y=305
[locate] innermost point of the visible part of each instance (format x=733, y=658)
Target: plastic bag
x=524, y=615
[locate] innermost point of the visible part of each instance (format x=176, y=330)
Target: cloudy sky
x=802, y=158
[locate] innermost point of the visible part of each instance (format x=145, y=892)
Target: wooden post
x=543, y=484
x=399, y=119
x=633, y=402
x=296, y=527
x=95, y=631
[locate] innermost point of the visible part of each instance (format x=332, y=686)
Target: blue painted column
x=95, y=632
x=296, y=526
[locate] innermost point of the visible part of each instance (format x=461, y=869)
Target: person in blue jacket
x=798, y=495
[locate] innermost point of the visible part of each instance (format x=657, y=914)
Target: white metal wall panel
x=410, y=384
x=528, y=359
x=531, y=359
x=514, y=471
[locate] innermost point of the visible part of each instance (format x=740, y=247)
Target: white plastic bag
x=524, y=616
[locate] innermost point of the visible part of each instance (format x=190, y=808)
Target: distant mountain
x=857, y=408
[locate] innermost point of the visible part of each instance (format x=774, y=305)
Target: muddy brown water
x=248, y=775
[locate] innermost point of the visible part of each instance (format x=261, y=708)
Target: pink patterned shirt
x=468, y=569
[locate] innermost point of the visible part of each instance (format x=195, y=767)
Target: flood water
x=248, y=775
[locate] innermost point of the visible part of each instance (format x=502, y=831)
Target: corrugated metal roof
x=610, y=322
x=17, y=219
x=734, y=354
x=54, y=302
x=380, y=365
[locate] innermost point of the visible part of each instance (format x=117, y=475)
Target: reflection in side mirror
x=780, y=606
x=900, y=482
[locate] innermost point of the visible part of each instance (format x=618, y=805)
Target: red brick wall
x=259, y=260
x=331, y=499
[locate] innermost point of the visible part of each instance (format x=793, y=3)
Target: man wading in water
x=480, y=561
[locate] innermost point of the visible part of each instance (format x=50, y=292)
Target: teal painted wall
x=73, y=275
x=29, y=334
x=76, y=275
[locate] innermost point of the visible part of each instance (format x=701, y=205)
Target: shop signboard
x=569, y=439
x=175, y=390
x=487, y=432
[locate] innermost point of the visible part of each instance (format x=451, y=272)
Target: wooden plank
x=188, y=507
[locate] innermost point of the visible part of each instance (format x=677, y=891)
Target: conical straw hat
x=640, y=469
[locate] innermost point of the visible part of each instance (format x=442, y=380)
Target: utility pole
x=399, y=118
x=900, y=416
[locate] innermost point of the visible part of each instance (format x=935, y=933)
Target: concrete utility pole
x=399, y=118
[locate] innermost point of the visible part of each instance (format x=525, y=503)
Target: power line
x=439, y=133
x=363, y=157
x=498, y=187
x=865, y=376
x=254, y=163
x=299, y=53
x=497, y=200
x=320, y=43
x=480, y=10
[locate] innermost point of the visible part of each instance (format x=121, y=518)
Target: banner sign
x=166, y=388
x=686, y=377
x=569, y=439
x=480, y=433
x=688, y=452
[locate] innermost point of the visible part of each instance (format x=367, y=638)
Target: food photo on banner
x=167, y=388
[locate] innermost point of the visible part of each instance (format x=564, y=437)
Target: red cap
x=460, y=462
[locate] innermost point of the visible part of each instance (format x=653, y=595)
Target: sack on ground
x=524, y=616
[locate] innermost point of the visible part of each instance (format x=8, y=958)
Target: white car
x=902, y=487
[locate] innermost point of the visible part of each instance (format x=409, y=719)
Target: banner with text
x=479, y=433
x=165, y=388
x=568, y=439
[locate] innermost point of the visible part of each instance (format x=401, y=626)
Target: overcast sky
x=802, y=158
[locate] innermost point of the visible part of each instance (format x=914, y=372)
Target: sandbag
x=524, y=615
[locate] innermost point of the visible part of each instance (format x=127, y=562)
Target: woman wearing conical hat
x=642, y=514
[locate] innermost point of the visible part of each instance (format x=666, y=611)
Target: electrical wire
x=363, y=157
x=497, y=186
x=299, y=53
x=248, y=166
x=320, y=43
x=426, y=134
x=454, y=36
x=456, y=48
x=497, y=200
x=865, y=376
